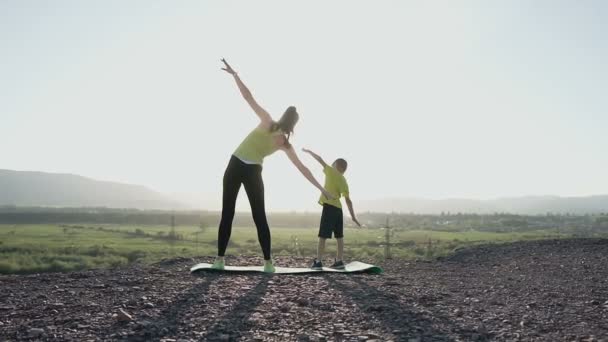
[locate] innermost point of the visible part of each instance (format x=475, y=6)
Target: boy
x=332, y=217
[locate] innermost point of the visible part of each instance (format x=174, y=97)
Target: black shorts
x=332, y=221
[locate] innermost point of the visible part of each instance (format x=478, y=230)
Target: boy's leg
x=339, y=233
x=340, y=249
x=325, y=230
x=320, y=249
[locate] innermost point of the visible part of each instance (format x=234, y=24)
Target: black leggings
x=238, y=173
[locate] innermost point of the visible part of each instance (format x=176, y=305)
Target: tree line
x=497, y=222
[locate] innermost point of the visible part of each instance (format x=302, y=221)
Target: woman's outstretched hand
x=228, y=68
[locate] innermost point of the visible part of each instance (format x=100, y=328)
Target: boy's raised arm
x=349, y=203
x=291, y=154
x=316, y=156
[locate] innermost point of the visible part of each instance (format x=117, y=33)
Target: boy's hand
x=316, y=156
x=357, y=222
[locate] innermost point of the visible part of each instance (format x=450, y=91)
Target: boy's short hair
x=341, y=164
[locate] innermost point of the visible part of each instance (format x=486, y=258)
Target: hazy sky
x=435, y=99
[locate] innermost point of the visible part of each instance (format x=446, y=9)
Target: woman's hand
x=265, y=118
x=228, y=68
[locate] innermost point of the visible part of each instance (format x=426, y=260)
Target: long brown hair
x=286, y=123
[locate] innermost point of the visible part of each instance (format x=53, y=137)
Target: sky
x=431, y=99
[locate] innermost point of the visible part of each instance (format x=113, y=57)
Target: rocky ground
x=541, y=290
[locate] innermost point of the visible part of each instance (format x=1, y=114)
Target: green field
x=50, y=248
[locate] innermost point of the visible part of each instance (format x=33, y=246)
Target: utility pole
x=295, y=244
x=387, y=240
x=201, y=229
x=172, y=235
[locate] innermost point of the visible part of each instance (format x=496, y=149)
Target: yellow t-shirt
x=336, y=184
x=257, y=145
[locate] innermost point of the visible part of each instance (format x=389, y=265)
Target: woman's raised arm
x=261, y=112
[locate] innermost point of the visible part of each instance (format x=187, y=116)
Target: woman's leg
x=254, y=185
x=232, y=185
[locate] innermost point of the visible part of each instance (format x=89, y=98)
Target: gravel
x=552, y=290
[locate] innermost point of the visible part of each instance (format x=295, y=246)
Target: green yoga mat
x=353, y=267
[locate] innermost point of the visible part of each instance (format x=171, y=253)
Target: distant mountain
x=519, y=205
x=27, y=188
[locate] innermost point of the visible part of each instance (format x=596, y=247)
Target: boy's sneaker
x=218, y=264
x=268, y=266
x=338, y=265
x=317, y=265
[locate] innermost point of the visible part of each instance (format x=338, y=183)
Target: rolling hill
x=28, y=188
x=531, y=205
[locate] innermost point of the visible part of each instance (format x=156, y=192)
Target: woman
x=245, y=167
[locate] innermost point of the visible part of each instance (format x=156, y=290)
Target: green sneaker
x=218, y=265
x=268, y=266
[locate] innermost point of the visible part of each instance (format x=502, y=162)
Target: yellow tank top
x=257, y=145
